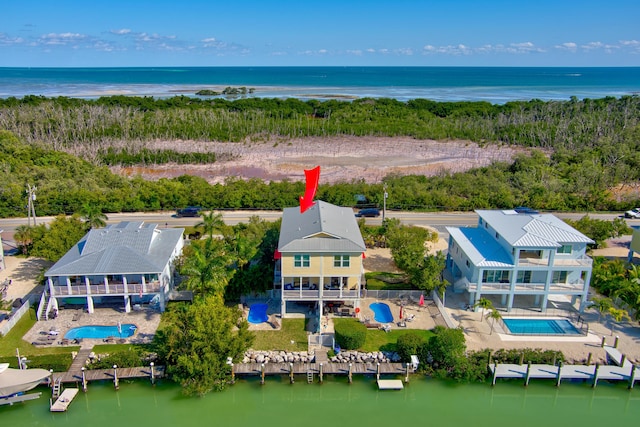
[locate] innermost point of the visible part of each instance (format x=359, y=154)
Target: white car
x=633, y=213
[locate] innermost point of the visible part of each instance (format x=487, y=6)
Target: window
x=301, y=260
x=495, y=276
x=524, y=276
x=559, y=277
x=341, y=261
x=564, y=249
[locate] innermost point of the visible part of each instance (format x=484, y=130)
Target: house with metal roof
x=121, y=264
x=516, y=255
x=319, y=258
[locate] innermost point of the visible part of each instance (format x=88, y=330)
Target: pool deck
x=51, y=332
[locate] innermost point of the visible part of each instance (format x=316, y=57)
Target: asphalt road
x=437, y=220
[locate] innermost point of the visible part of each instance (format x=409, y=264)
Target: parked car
x=525, y=210
x=189, y=211
x=369, y=212
x=633, y=213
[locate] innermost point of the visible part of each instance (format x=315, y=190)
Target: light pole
x=31, y=209
x=384, y=202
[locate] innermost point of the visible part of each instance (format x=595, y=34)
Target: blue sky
x=326, y=32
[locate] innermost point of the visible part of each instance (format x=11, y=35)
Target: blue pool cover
x=258, y=313
x=541, y=327
x=126, y=330
x=381, y=312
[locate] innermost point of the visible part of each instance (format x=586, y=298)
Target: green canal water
x=423, y=402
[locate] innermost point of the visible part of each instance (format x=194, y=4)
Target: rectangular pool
x=541, y=326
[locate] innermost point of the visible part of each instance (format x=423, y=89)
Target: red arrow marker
x=312, y=176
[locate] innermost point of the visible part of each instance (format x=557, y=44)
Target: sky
x=116, y=33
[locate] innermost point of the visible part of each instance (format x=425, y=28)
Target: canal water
x=423, y=402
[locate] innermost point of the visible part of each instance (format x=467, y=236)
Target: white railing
x=409, y=295
x=321, y=340
x=17, y=315
x=443, y=311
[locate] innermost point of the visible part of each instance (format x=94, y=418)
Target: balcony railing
x=315, y=294
x=583, y=261
x=527, y=287
x=114, y=289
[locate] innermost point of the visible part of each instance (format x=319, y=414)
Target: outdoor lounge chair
x=385, y=328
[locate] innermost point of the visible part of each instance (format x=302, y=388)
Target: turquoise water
x=423, y=402
x=127, y=330
x=381, y=312
x=541, y=327
x=258, y=313
x=493, y=84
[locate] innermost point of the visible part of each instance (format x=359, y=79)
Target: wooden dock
x=109, y=374
x=591, y=373
x=327, y=368
x=62, y=403
x=19, y=398
x=390, y=385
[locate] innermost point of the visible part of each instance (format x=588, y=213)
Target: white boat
x=15, y=381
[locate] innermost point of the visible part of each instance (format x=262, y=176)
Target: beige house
x=319, y=260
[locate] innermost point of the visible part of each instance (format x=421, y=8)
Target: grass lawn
x=13, y=340
x=291, y=330
x=381, y=280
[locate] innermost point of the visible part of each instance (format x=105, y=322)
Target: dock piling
x=378, y=372
x=559, y=375
x=589, y=357
x=233, y=374
x=350, y=373
x=153, y=376
x=604, y=341
x=495, y=373
x=291, y=379
x=84, y=379
x=615, y=342
x=320, y=374
x=262, y=374
x=406, y=377
x=632, y=376
x=115, y=377
x=526, y=379
x=595, y=375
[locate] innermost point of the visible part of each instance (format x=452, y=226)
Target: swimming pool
x=127, y=330
x=540, y=327
x=381, y=312
x=258, y=313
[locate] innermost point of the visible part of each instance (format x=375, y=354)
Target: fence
x=410, y=296
x=445, y=314
x=17, y=315
x=322, y=340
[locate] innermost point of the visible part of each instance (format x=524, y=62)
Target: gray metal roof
x=123, y=248
x=481, y=248
x=321, y=228
x=532, y=230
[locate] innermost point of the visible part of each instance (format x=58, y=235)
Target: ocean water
x=493, y=84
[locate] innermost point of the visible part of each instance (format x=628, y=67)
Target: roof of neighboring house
x=124, y=248
x=321, y=228
x=532, y=230
x=481, y=248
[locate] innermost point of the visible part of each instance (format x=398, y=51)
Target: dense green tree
x=206, y=266
x=600, y=230
x=53, y=241
x=445, y=349
x=197, y=342
x=93, y=216
x=483, y=304
x=24, y=237
x=211, y=222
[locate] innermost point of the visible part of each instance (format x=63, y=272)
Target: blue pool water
x=128, y=329
x=381, y=312
x=258, y=313
x=541, y=327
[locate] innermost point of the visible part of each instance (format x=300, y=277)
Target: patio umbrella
x=401, y=312
x=421, y=303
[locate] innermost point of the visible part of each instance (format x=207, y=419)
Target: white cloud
x=121, y=32
x=61, y=38
x=569, y=46
x=356, y=52
x=5, y=40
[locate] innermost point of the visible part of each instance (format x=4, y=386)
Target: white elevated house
x=512, y=254
x=125, y=263
x=320, y=256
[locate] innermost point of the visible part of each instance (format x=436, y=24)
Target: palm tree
x=602, y=305
x=484, y=304
x=206, y=267
x=211, y=222
x=93, y=216
x=618, y=315
x=494, y=315
x=23, y=237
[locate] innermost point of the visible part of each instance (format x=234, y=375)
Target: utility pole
x=31, y=209
x=384, y=202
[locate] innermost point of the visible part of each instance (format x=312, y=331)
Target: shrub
x=408, y=344
x=128, y=358
x=350, y=334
